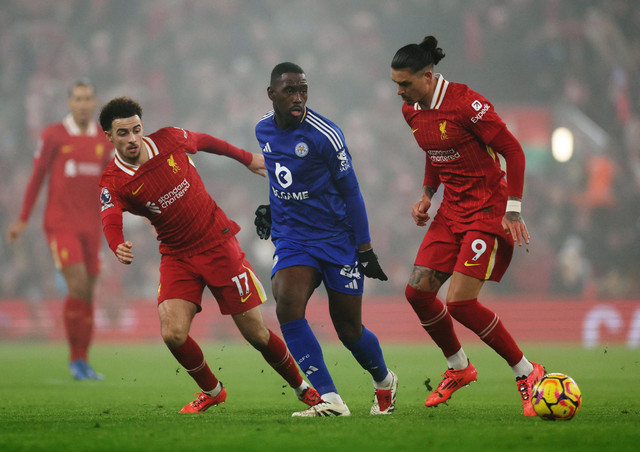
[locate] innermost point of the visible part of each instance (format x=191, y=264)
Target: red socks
x=434, y=318
x=278, y=357
x=190, y=356
x=78, y=325
x=488, y=326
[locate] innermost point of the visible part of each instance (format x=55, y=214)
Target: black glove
x=370, y=266
x=263, y=221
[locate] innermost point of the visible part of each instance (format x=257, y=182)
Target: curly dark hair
x=120, y=107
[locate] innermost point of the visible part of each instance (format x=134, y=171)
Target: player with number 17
x=154, y=177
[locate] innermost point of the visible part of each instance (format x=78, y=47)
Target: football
x=556, y=396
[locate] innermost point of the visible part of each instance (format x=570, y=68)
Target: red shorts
x=223, y=269
x=70, y=248
x=479, y=253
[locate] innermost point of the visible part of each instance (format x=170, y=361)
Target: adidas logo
x=310, y=370
x=266, y=148
x=352, y=285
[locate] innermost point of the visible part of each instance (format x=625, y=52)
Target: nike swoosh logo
x=414, y=130
x=135, y=192
x=467, y=264
x=243, y=299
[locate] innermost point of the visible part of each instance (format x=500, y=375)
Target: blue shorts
x=336, y=260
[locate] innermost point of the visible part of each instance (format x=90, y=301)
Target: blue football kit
x=318, y=214
x=318, y=218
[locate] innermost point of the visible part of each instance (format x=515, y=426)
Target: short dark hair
x=120, y=107
x=82, y=81
x=284, y=68
x=418, y=56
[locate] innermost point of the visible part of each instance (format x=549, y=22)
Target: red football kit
x=74, y=162
x=197, y=240
x=460, y=134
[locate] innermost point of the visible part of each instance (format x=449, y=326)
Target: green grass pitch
x=136, y=406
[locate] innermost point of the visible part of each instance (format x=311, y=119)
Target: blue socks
x=368, y=353
x=305, y=349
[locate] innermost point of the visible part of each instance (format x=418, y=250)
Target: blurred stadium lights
x=578, y=134
x=562, y=144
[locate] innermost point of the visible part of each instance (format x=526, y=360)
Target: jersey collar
x=74, y=130
x=131, y=169
x=438, y=93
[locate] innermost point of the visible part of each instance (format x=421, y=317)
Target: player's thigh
x=176, y=316
x=230, y=278
x=295, y=273
x=252, y=327
x=66, y=248
x=463, y=287
x=91, y=244
x=295, y=284
x=178, y=280
x=294, y=276
x=292, y=287
x=438, y=251
x=484, y=256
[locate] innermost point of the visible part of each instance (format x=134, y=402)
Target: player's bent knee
x=349, y=333
x=417, y=297
x=458, y=309
x=257, y=338
x=174, y=338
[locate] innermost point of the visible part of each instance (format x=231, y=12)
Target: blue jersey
x=304, y=162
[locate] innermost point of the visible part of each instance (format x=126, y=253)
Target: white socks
x=384, y=384
x=215, y=391
x=523, y=368
x=300, y=389
x=332, y=397
x=458, y=360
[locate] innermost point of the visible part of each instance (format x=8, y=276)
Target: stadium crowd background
x=204, y=65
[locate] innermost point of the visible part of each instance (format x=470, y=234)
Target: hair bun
x=430, y=45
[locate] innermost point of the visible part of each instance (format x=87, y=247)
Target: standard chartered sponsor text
x=443, y=155
x=168, y=198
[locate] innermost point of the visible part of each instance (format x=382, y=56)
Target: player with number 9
x=471, y=238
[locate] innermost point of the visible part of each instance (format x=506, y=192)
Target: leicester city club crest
x=302, y=149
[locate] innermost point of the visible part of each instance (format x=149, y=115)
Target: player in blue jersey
x=318, y=223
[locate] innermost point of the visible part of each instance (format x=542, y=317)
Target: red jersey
x=168, y=191
x=74, y=163
x=454, y=133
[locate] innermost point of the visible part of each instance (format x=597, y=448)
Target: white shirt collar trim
x=131, y=169
x=439, y=92
x=74, y=130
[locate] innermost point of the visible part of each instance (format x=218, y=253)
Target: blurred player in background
x=321, y=233
x=472, y=235
x=154, y=177
x=73, y=153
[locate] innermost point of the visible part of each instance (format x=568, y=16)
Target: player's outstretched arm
x=124, y=253
x=257, y=164
x=208, y=143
